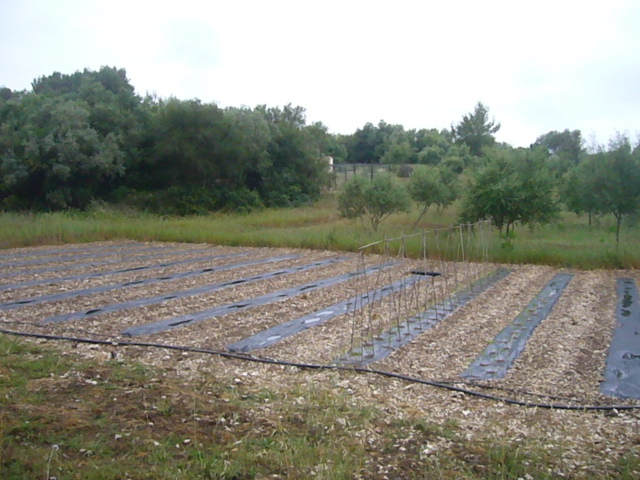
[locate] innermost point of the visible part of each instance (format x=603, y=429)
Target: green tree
x=187, y=145
x=51, y=157
x=578, y=189
x=69, y=140
x=351, y=199
x=431, y=185
x=369, y=144
x=432, y=146
x=398, y=151
x=384, y=198
x=617, y=181
x=295, y=172
x=476, y=130
x=449, y=186
x=513, y=186
x=375, y=199
x=567, y=145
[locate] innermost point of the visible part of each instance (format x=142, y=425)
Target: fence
x=398, y=297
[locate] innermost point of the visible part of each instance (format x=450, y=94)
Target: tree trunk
x=424, y=211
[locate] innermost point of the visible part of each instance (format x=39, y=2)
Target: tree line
x=84, y=137
x=74, y=139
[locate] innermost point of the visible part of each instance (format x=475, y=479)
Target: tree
x=351, y=200
x=424, y=189
x=375, y=199
x=69, y=140
x=565, y=149
x=567, y=144
x=294, y=173
x=578, y=190
x=449, y=186
x=369, y=144
x=617, y=180
x=52, y=158
x=432, y=185
x=476, y=130
x=398, y=151
x=432, y=146
x=187, y=145
x=513, y=186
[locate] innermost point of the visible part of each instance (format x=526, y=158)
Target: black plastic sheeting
x=154, y=266
x=134, y=283
x=70, y=258
x=193, y=291
x=383, y=345
x=500, y=355
x=72, y=249
x=128, y=259
x=177, y=322
x=279, y=332
x=622, y=372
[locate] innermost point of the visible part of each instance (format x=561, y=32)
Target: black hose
x=311, y=366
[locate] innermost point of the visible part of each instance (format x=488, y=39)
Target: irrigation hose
x=312, y=366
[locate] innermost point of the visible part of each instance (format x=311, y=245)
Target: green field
x=569, y=242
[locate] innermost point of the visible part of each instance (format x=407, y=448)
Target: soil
x=562, y=362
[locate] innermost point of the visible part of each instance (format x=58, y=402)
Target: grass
x=569, y=242
x=67, y=418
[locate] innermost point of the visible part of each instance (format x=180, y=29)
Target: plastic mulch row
x=193, y=291
x=622, y=372
x=507, y=346
x=383, y=345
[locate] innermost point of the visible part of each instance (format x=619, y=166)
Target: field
x=152, y=379
x=569, y=242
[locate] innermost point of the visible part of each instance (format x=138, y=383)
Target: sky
x=538, y=66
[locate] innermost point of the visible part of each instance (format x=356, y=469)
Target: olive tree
x=513, y=186
x=432, y=185
x=374, y=199
x=617, y=182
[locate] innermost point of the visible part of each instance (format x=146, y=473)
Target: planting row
x=451, y=321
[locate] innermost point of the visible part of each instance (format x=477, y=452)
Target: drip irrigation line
x=40, y=325
x=506, y=389
x=312, y=366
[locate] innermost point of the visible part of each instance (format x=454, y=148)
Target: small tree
x=448, y=187
x=512, y=187
x=617, y=182
x=424, y=189
x=432, y=186
x=376, y=199
x=579, y=188
x=351, y=201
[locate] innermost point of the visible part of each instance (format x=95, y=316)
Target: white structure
x=329, y=161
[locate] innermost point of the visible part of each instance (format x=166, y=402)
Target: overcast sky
x=537, y=65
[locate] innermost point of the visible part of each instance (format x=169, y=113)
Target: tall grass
x=569, y=242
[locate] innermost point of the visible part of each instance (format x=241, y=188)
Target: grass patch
x=569, y=242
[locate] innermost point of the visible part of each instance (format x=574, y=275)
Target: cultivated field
x=124, y=301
